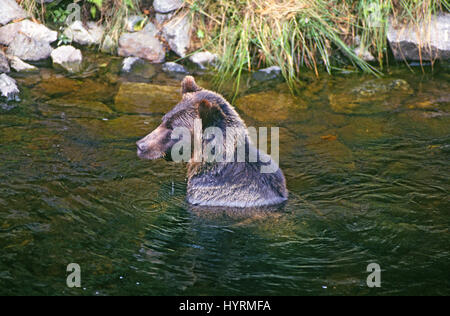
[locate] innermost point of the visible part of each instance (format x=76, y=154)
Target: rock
x=18, y=65
x=4, y=65
x=431, y=36
x=129, y=62
x=363, y=53
x=166, y=6
x=174, y=68
x=202, y=59
x=8, y=88
x=135, y=69
x=125, y=126
x=68, y=57
x=161, y=18
x=177, y=33
x=272, y=107
x=144, y=98
x=10, y=11
x=108, y=45
x=26, y=48
x=131, y=22
x=35, y=31
x=92, y=34
x=143, y=44
x=370, y=97
x=267, y=73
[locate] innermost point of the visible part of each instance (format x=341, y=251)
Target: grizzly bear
x=231, y=183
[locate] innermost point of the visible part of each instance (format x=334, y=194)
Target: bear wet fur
x=229, y=184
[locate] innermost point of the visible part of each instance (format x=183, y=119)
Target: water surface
x=366, y=162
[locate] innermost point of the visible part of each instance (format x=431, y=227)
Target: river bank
x=204, y=34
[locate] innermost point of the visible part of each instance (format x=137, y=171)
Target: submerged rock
x=143, y=44
x=166, y=6
x=4, y=65
x=267, y=73
x=177, y=34
x=203, y=59
x=67, y=57
x=426, y=41
x=172, y=67
x=129, y=62
x=19, y=65
x=135, y=69
x=370, y=97
x=8, y=88
x=92, y=34
x=146, y=98
x=272, y=106
x=10, y=10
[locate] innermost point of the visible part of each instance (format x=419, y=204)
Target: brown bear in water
x=216, y=183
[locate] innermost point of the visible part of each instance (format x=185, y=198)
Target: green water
x=366, y=162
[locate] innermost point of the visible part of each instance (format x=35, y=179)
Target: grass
x=301, y=34
x=295, y=35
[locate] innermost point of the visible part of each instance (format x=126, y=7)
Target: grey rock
x=27, y=48
x=8, y=87
x=128, y=63
x=67, y=57
x=202, y=59
x=268, y=73
x=177, y=33
x=108, y=45
x=92, y=34
x=135, y=69
x=161, y=17
x=431, y=38
x=166, y=6
x=131, y=22
x=4, y=65
x=143, y=44
x=35, y=31
x=174, y=68
x=19, y=65
x=10, y=10
x=363, y=53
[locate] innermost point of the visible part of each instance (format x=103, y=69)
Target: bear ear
x=210, y=113
x=188, y=85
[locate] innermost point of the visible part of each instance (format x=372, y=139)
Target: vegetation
x=292, y=34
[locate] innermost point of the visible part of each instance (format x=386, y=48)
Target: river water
x=366, y=162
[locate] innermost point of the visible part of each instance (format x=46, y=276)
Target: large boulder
x=29, y=49
x=10, y=10
x=4, y=65
x=143, y=44
x=67, y=57
x=92, y=34
x=177, y=33
x=427, y=41
x=28, y=40
x=37, y=32
x=166, y=6
x=8, y=87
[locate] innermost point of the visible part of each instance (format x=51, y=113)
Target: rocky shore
x=24, y=41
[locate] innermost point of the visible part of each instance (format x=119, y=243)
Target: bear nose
x=140, y=146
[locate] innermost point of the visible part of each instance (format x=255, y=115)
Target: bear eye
x=169, y=125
